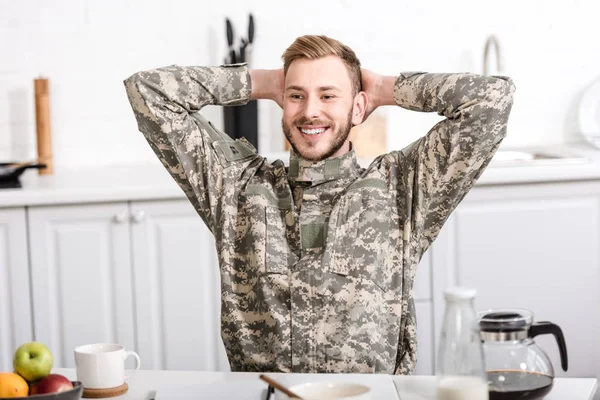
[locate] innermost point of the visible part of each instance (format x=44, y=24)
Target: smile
x=313, y=131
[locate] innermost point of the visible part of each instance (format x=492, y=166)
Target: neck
x=342, y=150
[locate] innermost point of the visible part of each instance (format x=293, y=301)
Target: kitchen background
x=87, y=47
x=526, y=236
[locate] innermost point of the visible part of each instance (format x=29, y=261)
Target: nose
x=312, y=108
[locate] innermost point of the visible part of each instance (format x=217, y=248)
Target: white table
x=144, y=383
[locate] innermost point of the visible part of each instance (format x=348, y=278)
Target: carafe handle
x=544, y=327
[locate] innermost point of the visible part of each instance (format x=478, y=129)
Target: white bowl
x=328, y=391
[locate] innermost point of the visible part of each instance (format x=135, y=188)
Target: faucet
x=491, y=40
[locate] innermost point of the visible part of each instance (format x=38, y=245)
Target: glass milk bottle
x=460, y=368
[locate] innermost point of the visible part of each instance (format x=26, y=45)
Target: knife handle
x=229, y=32
x=242, y=57
x=251, y=29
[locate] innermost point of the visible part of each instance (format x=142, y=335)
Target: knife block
x=242, y=122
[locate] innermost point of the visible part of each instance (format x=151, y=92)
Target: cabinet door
x=425, y=339
x=534, y=252
x=176, y=288
x=81, y=277
x=15, y=305
x=422, y=286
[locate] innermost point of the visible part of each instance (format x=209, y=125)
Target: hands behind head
x=371, y=85
x=278, y=86
x=267, y=84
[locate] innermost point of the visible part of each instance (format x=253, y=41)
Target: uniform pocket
x=269, y=217
x=342, y=233
x=372, y=244
x=361, y=229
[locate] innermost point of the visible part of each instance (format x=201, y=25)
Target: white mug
x=102, y=365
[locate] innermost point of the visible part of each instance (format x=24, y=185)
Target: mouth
x=313, y=131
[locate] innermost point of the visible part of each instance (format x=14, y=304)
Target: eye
x=328, y=96
x=295, y=96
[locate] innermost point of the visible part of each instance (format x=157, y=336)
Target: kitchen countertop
x=144, y=383
x=152, y=181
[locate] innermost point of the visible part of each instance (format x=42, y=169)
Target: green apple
x=33, y=361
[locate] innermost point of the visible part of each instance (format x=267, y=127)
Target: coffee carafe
x=516, y=367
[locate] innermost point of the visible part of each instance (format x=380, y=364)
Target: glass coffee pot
x=516, y=367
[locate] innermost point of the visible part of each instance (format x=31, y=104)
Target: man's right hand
x=268, y=84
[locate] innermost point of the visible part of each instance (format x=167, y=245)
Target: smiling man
x=319, y=104
x=317, y=259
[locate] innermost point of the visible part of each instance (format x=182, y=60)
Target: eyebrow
x=322, y=88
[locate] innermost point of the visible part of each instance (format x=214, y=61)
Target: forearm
x=450, y=94
x=187, y=89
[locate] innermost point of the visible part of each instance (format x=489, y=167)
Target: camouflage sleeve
x=443, y=165
x=202, y=160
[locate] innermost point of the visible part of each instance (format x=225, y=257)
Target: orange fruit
x=13, y=385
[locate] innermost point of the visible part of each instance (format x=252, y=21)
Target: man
x=317, y=259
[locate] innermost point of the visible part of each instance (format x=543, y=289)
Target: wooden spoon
x=279, y=387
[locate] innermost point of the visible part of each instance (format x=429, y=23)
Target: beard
x=310, y=151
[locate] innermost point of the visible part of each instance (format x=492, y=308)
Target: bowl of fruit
x=31, y=377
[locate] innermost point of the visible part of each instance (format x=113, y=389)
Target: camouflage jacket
x=317, y=260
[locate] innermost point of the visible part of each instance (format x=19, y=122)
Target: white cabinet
x=143, y=274
x=425, y=338
x=422, y=285
x=15, y=304
x=177, y=289
x=81, y=277
x=533, y=247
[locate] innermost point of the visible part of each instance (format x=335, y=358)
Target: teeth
x=313, y=131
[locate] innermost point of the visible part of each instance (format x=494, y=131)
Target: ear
x=359, y=108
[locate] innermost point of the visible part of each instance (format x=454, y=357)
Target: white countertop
x=152, y=181
x=144, y=383
x=93, y=184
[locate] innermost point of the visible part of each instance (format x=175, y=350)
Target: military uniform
x=317, y=260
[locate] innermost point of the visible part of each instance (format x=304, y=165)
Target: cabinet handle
x=121, y=217
x=138, y=216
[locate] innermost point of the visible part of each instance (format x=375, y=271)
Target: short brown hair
x=319, y=46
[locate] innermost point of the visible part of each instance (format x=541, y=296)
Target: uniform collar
x=302, y=170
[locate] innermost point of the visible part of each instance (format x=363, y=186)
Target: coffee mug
x=102, y=365
x=328, y=391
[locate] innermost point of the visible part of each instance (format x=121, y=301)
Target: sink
x=508, y=158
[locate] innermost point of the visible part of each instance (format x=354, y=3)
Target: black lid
x=508, y=320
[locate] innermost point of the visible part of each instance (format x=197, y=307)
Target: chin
x=312, y=157
x=312, y=154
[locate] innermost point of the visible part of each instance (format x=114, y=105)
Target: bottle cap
x=459, y=293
